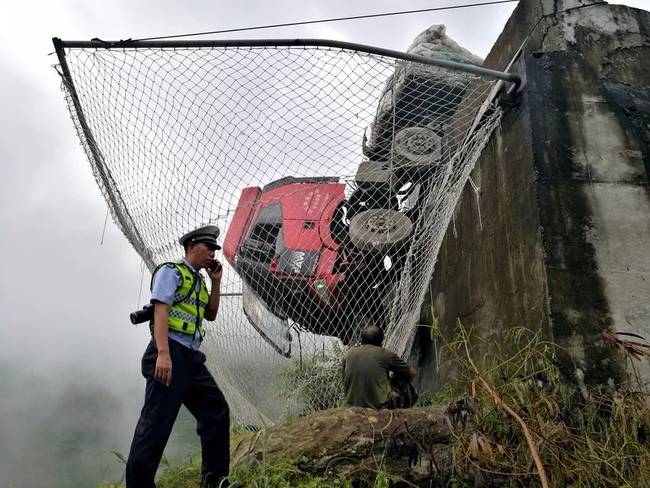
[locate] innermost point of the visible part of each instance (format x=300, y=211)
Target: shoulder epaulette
x=168, y=264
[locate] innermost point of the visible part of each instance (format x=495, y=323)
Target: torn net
x=332, y=173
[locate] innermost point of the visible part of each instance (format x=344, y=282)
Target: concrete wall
x=563, y=239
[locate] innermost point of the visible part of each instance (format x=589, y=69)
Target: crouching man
x=376, y=377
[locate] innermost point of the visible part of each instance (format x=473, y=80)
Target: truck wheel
x=418, y=146
x=379, y=230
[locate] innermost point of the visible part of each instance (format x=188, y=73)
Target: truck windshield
x=260, y=243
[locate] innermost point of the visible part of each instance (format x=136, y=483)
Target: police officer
x=175, y=368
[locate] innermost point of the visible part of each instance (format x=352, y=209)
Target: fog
x=70, y=390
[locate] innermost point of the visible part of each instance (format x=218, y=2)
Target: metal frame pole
x=252, y=43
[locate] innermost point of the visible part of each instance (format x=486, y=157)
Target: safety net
x=333, y=174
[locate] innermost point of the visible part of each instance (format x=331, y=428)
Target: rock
x=412, y=444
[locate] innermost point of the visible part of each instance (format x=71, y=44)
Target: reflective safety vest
x=187, y=311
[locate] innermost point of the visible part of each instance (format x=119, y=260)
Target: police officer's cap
x=207, y=234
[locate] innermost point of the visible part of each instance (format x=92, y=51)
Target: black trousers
x=193, y=386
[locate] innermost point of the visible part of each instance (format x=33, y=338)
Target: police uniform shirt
x=165, y=283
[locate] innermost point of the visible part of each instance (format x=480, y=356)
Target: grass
x=287, y=475
x=312, y=383
x=283, y=475
x=530, y=426
x=185, y=474
x=516, y=422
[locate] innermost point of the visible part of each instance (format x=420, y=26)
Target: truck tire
x=417, y=146
x=379, y=230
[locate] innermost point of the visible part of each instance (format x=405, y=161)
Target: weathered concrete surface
x=563, y=239
x=413, y=444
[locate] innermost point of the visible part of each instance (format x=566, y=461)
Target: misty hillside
x=63, y=430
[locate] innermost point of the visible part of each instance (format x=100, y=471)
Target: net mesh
x=332, y=173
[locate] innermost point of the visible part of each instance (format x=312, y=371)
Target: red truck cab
x=281, y=243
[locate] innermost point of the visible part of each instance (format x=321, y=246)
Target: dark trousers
x=193, y=386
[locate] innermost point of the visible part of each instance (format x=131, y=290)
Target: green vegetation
x=527, y=425
x=185, y=474
x=288, y=475
x=285, y=475
x=516, y=421
x=312, y=383
x=441, y=397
